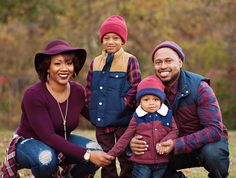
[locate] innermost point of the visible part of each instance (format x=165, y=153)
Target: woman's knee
x=46, y=164
x=37, y=156
x=48, y=158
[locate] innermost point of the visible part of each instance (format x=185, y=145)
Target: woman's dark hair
x=43, y=68
x=44, y=65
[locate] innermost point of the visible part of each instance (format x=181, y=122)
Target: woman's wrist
x=87, y=155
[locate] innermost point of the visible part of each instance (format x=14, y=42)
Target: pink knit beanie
x=151, y=85
x=114, y=24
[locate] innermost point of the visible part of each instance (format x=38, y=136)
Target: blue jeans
x=214, y=157
x=43, y=160
x=149, y=170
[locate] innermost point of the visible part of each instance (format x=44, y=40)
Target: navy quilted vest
x=107, y=106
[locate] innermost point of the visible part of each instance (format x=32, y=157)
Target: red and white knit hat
x=151, y=85
x=114, y=24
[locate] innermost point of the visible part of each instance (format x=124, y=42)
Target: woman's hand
x=100, y=158
x=137, y=145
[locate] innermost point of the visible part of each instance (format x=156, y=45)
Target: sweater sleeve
x=210, y=117
x=85, y=109
x=124, y=140
x=35, y=107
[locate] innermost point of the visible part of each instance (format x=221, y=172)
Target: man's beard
x=172, y=80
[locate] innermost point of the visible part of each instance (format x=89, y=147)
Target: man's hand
x=165, y=147
x=137, y=145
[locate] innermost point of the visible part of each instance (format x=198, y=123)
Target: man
x=203, y=139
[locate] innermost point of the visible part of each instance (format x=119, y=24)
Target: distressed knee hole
x=93, y=145
x=45, y=157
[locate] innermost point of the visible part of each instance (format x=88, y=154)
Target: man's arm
x=210, y=117
x=137, y=145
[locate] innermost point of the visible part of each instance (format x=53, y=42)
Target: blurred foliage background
x=206, y=30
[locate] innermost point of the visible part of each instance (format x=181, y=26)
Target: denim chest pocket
x=117, y=80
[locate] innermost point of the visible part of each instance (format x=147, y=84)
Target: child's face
x=111, y=42
x=150, y=103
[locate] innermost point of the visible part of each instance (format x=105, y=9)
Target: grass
x=191, y=173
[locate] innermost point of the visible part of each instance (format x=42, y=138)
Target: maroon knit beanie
x=151, y=85
x=114, y=24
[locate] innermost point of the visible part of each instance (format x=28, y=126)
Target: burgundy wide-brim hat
x=60, y=46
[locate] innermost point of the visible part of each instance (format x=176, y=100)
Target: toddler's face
x=150, y=103
x=112, y=42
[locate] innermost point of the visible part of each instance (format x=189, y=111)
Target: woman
x=50, y=112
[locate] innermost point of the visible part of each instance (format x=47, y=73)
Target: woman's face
x=60, y=69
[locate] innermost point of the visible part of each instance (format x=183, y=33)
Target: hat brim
x=80, y=53
x=150, y=91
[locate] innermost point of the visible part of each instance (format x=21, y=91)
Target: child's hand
x=165, y=147
x=160, y=149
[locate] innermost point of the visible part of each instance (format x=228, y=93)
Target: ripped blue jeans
x=43, y=161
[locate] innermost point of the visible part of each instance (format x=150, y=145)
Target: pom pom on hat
x=172, y=45
x=151, y=85
x=114, y=24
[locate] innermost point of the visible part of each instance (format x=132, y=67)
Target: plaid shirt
x=171, y=93
x=9, y=166
x=210, y=118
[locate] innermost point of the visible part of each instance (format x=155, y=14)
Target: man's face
x=167, y=65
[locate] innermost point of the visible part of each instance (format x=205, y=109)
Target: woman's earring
x=75, y=74
x=48, y=76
